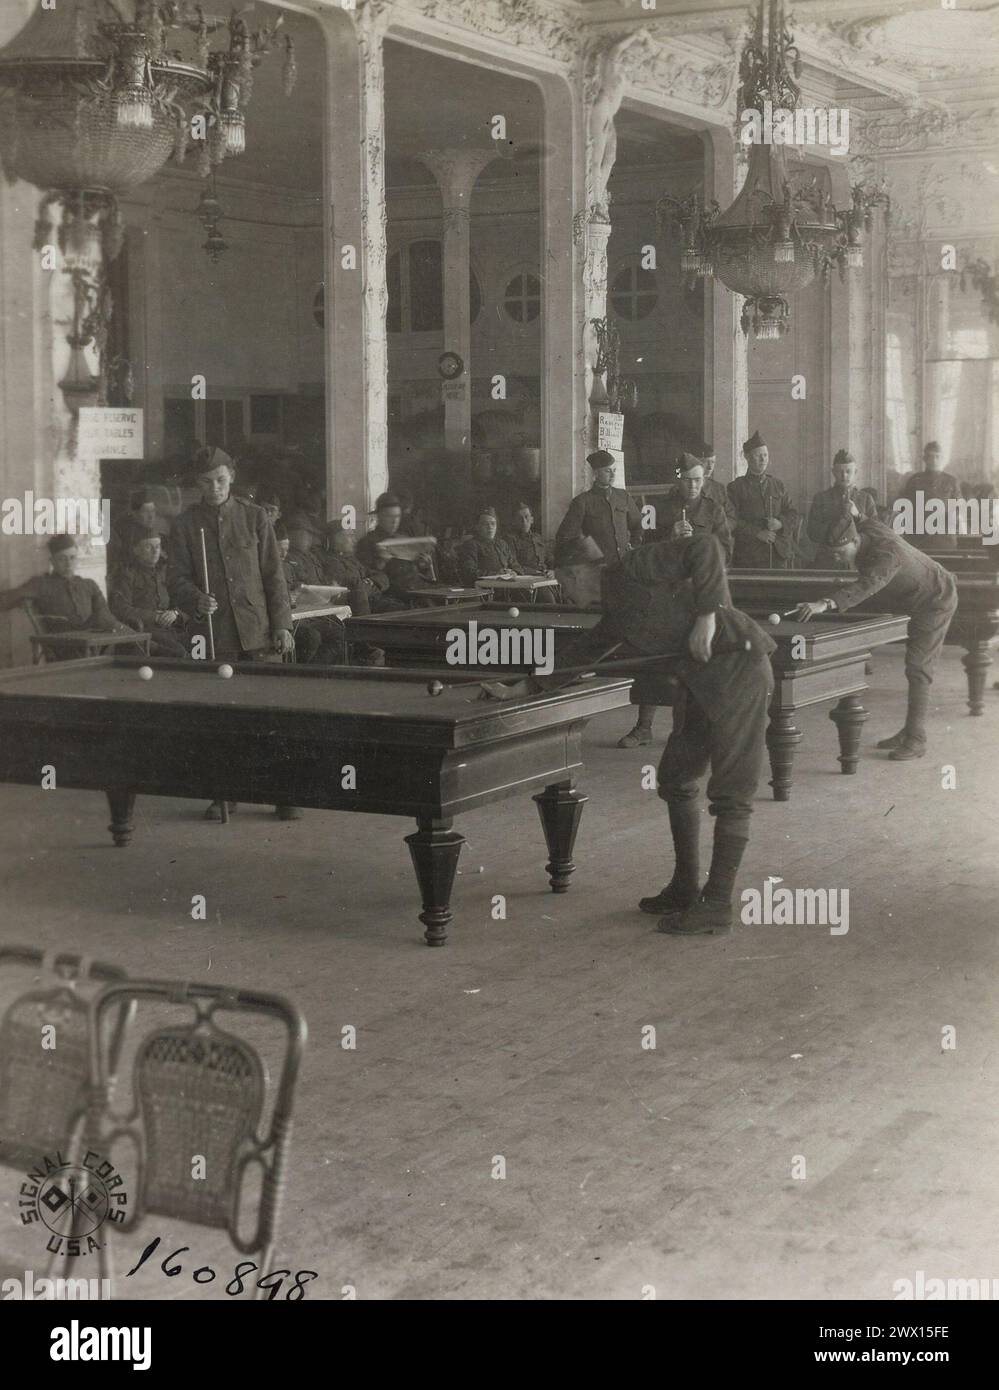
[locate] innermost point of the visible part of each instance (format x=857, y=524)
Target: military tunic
x=608, y=516
x=138, y=595
x=829, y=518
x=755, y=497
x=703, y=513
x=906, y=581
x=477, y=558
x=245, y=575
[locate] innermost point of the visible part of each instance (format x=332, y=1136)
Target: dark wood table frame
x=429, y=759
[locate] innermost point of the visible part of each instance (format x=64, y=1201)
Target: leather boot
x=711, y=914
x=913, y=741
x=681, y=891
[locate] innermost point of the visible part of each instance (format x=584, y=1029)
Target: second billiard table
x=824, y=659
x=334, y=738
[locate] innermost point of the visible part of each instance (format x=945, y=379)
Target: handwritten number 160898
x=206, y=1275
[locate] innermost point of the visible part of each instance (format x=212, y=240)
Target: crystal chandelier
x=93, y=103
x=791, y=221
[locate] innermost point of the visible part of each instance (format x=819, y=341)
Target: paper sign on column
x=110, y=432
x=610, y=430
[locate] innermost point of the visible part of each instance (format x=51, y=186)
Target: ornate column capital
x=456, y=170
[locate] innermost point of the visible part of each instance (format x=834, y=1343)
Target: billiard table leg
x=122, y=805
x=782, y=739
x=976, y=661
x=849, y=716
x=560, y=807
x=434, y=849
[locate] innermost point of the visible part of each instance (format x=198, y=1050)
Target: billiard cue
x=223, y=805
x=770, y=542
x=531, y=685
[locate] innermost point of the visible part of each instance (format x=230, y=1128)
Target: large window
x=634, y=293
x=416, y=289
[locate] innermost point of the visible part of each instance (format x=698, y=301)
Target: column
x=456, y=171
x=563, y=385
x=356, y=289
x=726, y=347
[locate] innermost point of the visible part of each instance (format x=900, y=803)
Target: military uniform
x=606, y=515
x=139, y=593
x=651, y=599
x=703, y=514
x=65, y=605
x=529, y=551
x=245, y=576
x=477, y=558
x=830, y=517
x=931, y=485
x=755, y=497
x=906, y=581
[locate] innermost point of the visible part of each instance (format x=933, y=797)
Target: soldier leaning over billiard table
x=907, y=581
x=673, y=596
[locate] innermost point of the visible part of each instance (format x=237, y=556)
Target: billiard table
x=290, y=734
x=975, y=625
x=824, y=659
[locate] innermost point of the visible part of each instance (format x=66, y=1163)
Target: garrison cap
x=755, y=441
x=63, y=542
x=844, y=456
x=601, y=459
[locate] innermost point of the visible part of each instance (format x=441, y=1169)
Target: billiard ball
x=225, y=672
x=145, y=673
x=514, y=612
x=435, y=687
x=774, y=620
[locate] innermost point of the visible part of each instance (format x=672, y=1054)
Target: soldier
x=247, y=595
x=484, y=552
x=673, y=597
x=65, y=602
x=932, y=482
x=683, y=513
x=832, y=511
x=140, y=599
x=766, y=523
x=527, y=547
x=605, y=514
x=908, y=582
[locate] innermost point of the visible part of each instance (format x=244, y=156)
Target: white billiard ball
x=514, y=612
x=225, y=672
x=774, y=620
x=145, y=673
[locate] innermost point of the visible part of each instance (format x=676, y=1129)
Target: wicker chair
x=197, y=1089
x=43, y=1092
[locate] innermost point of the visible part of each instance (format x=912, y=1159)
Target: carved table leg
x=434, y=849
x=122, y=805
x=560, y=808
x=976, y=661
x=782, y=739
x=849, y=716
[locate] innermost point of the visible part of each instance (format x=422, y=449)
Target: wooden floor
x=625, y=1167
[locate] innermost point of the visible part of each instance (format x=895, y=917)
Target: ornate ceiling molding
x=914, y=129
x=541, y=26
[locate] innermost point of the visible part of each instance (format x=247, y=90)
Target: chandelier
x=93, y=102
x=791, y=221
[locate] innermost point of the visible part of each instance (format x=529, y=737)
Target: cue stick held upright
x=223, y=805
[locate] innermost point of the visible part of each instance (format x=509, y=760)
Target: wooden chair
x=58, y=645
x=199, y=1090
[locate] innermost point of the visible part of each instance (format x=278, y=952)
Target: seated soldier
x=340, y=565
x=139, y=598
x=141, y=518
x=322, y=640
x=63, y=601
x=688, y=509
x=403, y=575
x=484, y=553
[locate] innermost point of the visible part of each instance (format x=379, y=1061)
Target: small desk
x=321, y=610
x=443, y=595
x=520, y=583
x=93, y=643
